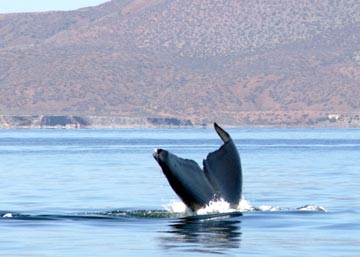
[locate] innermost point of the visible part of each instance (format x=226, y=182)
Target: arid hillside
x=241, y=62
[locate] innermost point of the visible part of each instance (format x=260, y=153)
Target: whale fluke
x=220, y=178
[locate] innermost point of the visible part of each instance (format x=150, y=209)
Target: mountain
x=236, y=62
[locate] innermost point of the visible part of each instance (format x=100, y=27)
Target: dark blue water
x=100, y=193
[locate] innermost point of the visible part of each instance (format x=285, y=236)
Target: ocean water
x=101, y=193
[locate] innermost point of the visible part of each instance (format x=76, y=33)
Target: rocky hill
x=261, y=62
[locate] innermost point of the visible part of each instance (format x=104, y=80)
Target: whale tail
x=222, y=133
x=221, y=176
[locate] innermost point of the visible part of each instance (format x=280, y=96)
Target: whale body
x=220, y=178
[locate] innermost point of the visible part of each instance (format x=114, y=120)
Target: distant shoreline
x=118, y=122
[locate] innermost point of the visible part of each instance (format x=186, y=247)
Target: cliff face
x=236, y=62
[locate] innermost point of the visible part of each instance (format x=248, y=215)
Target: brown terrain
x=183, y=62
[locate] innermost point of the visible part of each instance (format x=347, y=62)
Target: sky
x=12, y=6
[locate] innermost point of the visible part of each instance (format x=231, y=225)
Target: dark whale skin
x=186, y=179
x=221, y=177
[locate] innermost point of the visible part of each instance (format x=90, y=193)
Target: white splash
x=7, y=215
x=175, y=206
x=312, y=208
x=268, y=208
x=214, y=207
x=221, y=206
x=245, y=206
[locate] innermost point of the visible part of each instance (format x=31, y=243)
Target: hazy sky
x=10, y=6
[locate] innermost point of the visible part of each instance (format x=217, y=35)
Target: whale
x=219, y=179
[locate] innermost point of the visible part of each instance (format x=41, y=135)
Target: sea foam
x=221, y=206
x=214, y=207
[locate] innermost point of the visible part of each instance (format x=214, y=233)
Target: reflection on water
x=210, y=234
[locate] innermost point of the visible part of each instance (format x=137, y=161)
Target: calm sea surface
x=100, y=193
